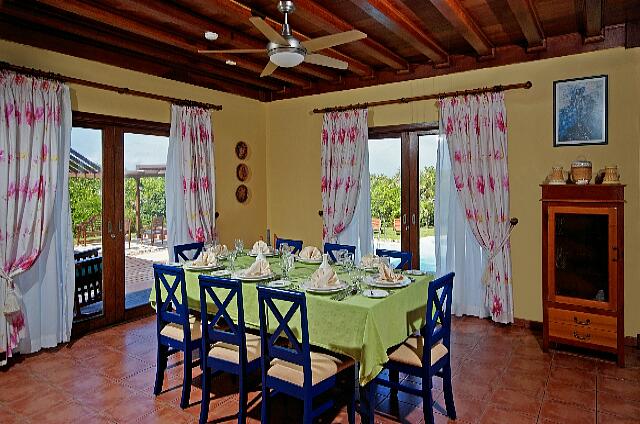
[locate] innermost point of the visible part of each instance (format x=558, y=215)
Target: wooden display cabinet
x=583, y=266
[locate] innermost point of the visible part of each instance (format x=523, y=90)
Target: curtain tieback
x=492, y=254
x=11, y=298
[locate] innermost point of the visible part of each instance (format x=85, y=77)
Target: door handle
x=110, y=229
x=413, y=219
x=404, y=219
x=120, y=226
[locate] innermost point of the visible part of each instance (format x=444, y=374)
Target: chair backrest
x=299, y=351
x=296, y=245
x=331, y=248
x=88, y=281
x=405, y=257
x=438, y=323
x=397, y=224
x=173, y=308
x=230, y=332
x=180, y=251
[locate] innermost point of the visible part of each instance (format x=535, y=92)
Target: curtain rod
x=121, y=90
x=526, y=85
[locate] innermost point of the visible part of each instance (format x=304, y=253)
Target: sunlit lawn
x=389, y=233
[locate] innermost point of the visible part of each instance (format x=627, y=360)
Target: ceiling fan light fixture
x=287, y=59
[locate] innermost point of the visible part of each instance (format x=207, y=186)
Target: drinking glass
x=232, y=260
x=286, y=263
x=348, y=262
x=284, y=248
x=239, y=245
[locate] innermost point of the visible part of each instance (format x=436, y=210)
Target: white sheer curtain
x=456, y=247
x=36, y=243
x=189, y=179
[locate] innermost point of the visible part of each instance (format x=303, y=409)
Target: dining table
x=354, y=325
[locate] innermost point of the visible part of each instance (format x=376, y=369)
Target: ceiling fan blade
x=232, y=51
x=268, y=31
x=268, y=70
x=327, y=41
x=322, y=60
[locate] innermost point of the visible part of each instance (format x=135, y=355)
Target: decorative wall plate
x=242, y=150
x=242, y=193
x=242, y=172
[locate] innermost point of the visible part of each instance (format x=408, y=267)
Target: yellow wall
x=285, y=150
x=293, y=155
x=240, y=119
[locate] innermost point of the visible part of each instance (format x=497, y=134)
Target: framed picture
x=242, y=150
x=580, y=111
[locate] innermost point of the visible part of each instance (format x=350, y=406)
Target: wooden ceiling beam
x=122, y=23
x=404, y=24
x=457, y=16
x=593, y=22
x=529, y=22
x=313, y=12
x=235, y=9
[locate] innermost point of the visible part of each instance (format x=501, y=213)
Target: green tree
x=427, y=196
x=385, y=197
x=85, y=199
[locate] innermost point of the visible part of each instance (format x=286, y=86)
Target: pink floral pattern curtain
x=30, y=130
x=196, y=143
x=476, y=131
x=344, y=142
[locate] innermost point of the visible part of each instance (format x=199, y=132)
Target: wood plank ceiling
x=407, y=39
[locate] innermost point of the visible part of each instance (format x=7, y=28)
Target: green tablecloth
x=357, y=326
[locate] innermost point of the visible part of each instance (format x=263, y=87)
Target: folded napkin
x=219, y=250
x=369, y=261
x=206, y=259
x=260, y=247
x=387, y=275
x=311, y=252
x=324, y=276
x=259, y=268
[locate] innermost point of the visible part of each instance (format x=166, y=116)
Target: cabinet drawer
x=583, y=320
x=582, y=334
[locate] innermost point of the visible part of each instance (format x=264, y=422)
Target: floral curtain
x=191, y=144
x=344, y=143
x=476, y=131
x=31, y=130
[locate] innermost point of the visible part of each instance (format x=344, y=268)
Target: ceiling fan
x=286, y=51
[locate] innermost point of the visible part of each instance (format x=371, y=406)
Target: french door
x=109, y=177
x=402, y=168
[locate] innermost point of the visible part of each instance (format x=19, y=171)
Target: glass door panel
x=144, y=226
x=427, y=156
x=85, y=198
x=385, y=159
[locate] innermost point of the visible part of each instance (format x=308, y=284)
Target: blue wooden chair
x=331, y=248
x=178, y=331
x=226, y=347
x=429, y=354
x=295, y=370
x=296, y=245
x=182, y=251
x=405, y=257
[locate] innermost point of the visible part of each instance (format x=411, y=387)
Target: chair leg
x=427, y=401
x=307, y=417
x=242, y=411
x=186, y=383
x=264, y=411
x=206, y=390
x=394, y=377
x=161, y=366
x=351, y=407
x=448, y=392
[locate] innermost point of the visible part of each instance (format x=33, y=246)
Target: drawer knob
x=577, y=321
x=581, y=336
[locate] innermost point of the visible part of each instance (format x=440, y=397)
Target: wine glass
x=284, y=248
x=239, y=245
x=232, y=260
x=286, y=263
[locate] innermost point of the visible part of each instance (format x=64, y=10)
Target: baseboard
x=537, y=326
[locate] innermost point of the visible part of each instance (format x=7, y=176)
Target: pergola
x=82, y=167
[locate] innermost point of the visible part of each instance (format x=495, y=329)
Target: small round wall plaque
x=242, y=193
x=242, y=150
x=242, y=172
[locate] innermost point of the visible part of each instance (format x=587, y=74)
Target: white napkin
x=387, y=275
x=218, y=250
x=260, y=247
x=206, y=259
x=324, y=276
x=311, y=252
x=259, y=268
x=369, y=261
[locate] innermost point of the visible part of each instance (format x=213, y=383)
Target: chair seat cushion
x=231, y=353
x=174, y=331
x=410, y=352
x=323, y=366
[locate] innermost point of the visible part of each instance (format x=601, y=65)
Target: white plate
x=375, y=282
x=279, y=283
x=176, y=264
x=414, y=272
x=308, y=261
x=369, y=269
x=266, y=255
x=191, y=267
x=375, y=293
x=221, y=273
x=240, y=276
x=326, y=290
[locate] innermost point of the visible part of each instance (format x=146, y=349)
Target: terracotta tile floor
x=501, y=375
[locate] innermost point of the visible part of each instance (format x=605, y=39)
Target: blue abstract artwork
x=580, y=111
